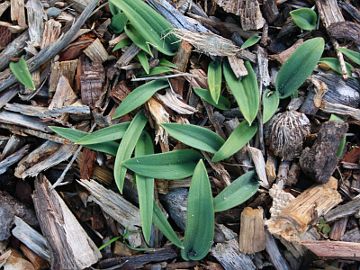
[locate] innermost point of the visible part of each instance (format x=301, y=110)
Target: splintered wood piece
x=92, y=79
x=120, y=91
x=294, y=219
x=38, y=262
x=23, y=120
x=270, y=168
x=230, y=6
x=319, y=162
x=12, y=145
x=329, y=12
x=334, y=249
x=42, y=158
x=11, y=259
x=96, y=51
x=230, y=257
x=343, y=210
x=340, y=109
x=280, y=198
x=182, y=57
x=65, y=68
x=36, y=15
x=345, y=30
x=52, y=31
x=338, y=229
x=252, y=231
x=64, y=94
x=13, y=49
x=259, y=162
x=127, y=56
x=4, y=6
x=237, y=66
x=71, y=247
x=13, y=159
x=31, y=238
x=174, y=102
x=274, y=253
x=284, y=55
x=160, y=116
x=250, y=15
x=18, y=12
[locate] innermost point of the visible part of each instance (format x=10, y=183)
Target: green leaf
x=160, y=70
x=144, y=61
x=22, y=73
x=145, y=187
x=75, y=135
x=299, y=66
x=121, y=44
x=167, y=63
x=173, y=165
x=270, y=104
x=149, y=24
x=304, y=18
x=251, y=41
x=200, y=221
x=239, y=191
x=223, y=103
x=127, y=146
x=214, y=80
x=352, y=55
x=195, y=136
x=240, y=136
x=137, y=39
x=139, y=96
x=112, y=133
x=334, y=64
x=112, y=240
x=164, y=226
x=245, y=91
x=118, y=22
x=341, y=148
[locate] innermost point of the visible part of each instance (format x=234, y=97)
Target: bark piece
x=319, y=161
x=352, y=236
x=340, y=109
x=338, y=229
x=71, y=247
x=38, y=262
x=259, y=162
x=13, y=158
x=22, y=120
x=127, y=56
x=230, y=6
x=293, y=220
x=31, y=238
x=270, y=10
x=237, y=66
x=96, y=51
x=334, y=249
x=345, y=30
x=284, y=55
x=18, y=12
x=252, y=232
x=12, y=260
x=274, y=253
x=62, y=68
x=250, y=15
x=230, y=257
x=174, y=102
x=36, y=15
x=13, y=49
x=9, y=208
x=329, y=12
x=64, y=94
x=343, y=210
x=52, y=31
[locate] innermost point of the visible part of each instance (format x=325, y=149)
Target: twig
x=45, y=55
x=163, y=77
x=341, y=59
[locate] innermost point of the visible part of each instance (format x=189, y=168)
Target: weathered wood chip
x=96, y=51
x=52, y=31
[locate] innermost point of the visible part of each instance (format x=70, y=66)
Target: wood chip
x=52, y=31
x=62, y=68
x=96, y=51
x=18, y=12
x=250, y=15
x=237, y=65
x=64, y=94
x=260, y=167
x=36, y=16
x=174, y=102
x=344, y=210
x=284, y=55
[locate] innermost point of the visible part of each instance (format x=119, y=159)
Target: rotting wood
x=71, y=247
x=52, y=31
x=252, y=230
x=18, y=12
x=96, y=51
x=343, y=210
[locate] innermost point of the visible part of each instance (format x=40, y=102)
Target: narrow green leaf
x=334, y=64
x=139, y=96
x=144, y=61
x=352, y=55
x=240, y=190
x=167, y=63
x=270, y=104
x=195, y=136
x=127, y=146
x=341, y=148
x=200, y=221
x=160, y=70
x=111, y=133
x=240, y=136
x=164, y=226
x=137, y=39
x=145, y=187
x=223, y=103
x=118, y=22
x=75, y=135
x=121, y=44
x=299, y=66
x=112, y=240
x=173, y=165
x=22, y=73
x=251, y=41
x=304, y=18
x=245, y=91
x=214, y=80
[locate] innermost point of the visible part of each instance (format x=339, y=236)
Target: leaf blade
x=251, y=41
x=223, y=103
x=352, y=55
x=214, y=80
x=304, y=18
x=271, y=102
x=22, y=73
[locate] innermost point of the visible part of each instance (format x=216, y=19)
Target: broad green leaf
x=341, y=148
x=145, y=187
x=251, y=41
x=334, y=64
x=112, y=133
x=304, y=18
x=149, y=24
x=200, y=220
x=299, y=66
x=214, y=80
x=144, y=61
x=118, y=22
x=223, y=103
x=239, y=191
x=22, y=73
x=127, y=146
x=139, y=96
x=75, y=135
x=164, y=226
x=195, y=136
x=167, y=63
x=173, y=165
x=270, y=104
x=352, y=55
x=245, y=91
x=240, y=136
x=121, y=44
x=137, y=39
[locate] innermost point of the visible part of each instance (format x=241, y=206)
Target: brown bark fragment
x=96, y=52
x=65, y=68
x=250, y=15
x=338, y=229
x=86, y=164
x=52, y=31
x=18, y=12
x=345, y=30
x=237, y=66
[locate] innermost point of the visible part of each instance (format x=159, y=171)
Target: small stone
x=53, y=12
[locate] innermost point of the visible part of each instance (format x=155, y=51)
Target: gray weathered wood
x=343, y=210
x=273, y=251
